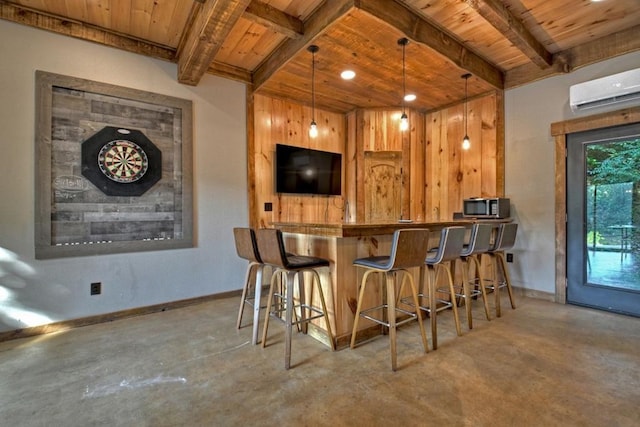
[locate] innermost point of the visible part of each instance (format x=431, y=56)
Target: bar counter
x=341, y=244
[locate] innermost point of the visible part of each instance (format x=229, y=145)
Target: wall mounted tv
x=306, y=171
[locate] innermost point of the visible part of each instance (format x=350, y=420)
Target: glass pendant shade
x=404, y=122
x=313, y=129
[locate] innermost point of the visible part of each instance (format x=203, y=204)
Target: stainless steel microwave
x=486, y=207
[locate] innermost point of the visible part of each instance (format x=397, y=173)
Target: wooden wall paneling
x=416, y=174
x=471, y=159
x=487, y=167
x=281, y=121
x=361, y=125
x=455, y=175
x=433, y=166
x=261, y=183
x=252, y=195
x=350, y=167
x=499, y=141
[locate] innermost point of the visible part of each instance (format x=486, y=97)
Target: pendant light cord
x=404, y=78
x=466, y=82
x=313, y=85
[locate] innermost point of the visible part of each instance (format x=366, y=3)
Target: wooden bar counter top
x=341, y=244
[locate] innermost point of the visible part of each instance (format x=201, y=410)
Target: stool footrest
x=275, y=313
x=445, y=304
x=412, y=315
x=460, y=293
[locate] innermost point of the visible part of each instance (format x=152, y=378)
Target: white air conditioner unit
x=616, y=89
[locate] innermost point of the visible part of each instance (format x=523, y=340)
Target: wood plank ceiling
x=264, y=43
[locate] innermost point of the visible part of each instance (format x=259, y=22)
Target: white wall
x=34, y=292
x=530, y=165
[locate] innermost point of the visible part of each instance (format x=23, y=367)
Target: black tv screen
x=306, y=171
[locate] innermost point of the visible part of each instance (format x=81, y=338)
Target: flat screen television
x=306, y=171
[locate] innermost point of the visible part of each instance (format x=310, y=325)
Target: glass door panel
x=603, y=219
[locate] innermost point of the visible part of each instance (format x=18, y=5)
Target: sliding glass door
x=603, y=219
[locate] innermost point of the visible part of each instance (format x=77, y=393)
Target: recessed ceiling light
x=410, y=97
x=348, y=74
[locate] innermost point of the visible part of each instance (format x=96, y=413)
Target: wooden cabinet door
x=382, y=185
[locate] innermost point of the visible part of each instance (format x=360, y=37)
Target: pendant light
x=466, y=143
x=313, y=128
x=404, y=120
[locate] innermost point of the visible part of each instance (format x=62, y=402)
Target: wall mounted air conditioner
x=616, y=89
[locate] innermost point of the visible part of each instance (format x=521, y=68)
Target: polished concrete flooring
x=542, y=364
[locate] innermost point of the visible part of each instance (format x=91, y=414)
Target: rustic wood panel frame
x=178, y=161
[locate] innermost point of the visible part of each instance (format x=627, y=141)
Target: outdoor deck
x=614, y=268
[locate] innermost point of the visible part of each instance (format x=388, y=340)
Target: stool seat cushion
x=376, y=262
x=297, y=262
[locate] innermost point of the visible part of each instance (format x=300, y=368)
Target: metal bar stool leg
x=256, y=304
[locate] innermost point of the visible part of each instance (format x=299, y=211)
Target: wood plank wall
x=436, y=173
x=453, y=174
x=279, y=121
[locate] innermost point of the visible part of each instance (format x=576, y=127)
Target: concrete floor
x=542, y=364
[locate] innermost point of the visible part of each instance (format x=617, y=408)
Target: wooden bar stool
x=479, y=243
x=408, y=250
x=505, y=239
x=272, y=251
x=438, y=262
x=247, y=248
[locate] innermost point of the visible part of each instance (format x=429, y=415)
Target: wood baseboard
x=109, y=317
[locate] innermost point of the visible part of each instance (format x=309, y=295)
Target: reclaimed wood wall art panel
x=88, y=204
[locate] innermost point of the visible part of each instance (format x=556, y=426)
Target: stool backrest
x=450, y=247
x=506, y=237
x=479, y=240
x=409, y=248
x=271, y=247
x=246, y=245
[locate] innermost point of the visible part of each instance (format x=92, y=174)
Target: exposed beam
x=230, y=72
x=211, y=25
x=422, y=31
x=318, y=22
x=274, y=19
x=495, y=12
x=79, y=30
x=620, y=43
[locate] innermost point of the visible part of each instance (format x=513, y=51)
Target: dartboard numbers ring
x=122, y=161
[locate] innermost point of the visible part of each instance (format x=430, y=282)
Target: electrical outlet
x=95, y=288
x=268, y=207
x=509, y=257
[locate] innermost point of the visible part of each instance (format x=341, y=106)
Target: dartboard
x=122, y=161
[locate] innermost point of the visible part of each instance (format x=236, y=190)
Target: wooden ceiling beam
x=495, y=13
x=60, y=25
x=274, y=19
x=230, y=72
x=211, y=25
x=318, y=22
x=422, y=31
x=616, y=44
